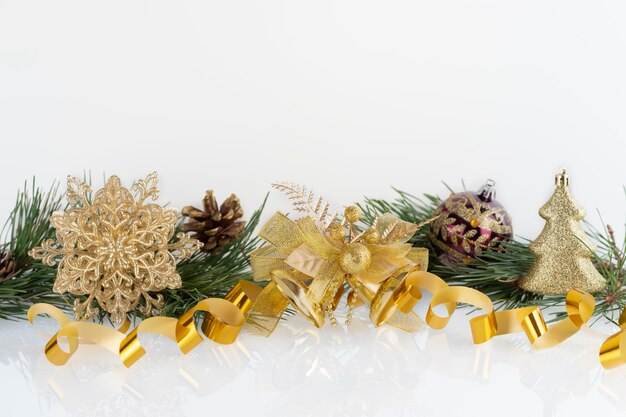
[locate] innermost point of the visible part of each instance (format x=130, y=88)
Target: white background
x=349, y=97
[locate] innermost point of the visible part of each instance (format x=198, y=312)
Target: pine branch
x=493, y=273
x=406, y=207
x=27, y=226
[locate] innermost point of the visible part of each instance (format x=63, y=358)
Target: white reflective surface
x=303, y=371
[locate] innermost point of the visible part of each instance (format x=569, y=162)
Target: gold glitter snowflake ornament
x=115, y=248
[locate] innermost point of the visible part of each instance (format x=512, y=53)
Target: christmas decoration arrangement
x=40, y=218
x=122, y=257
x=309, y=263
x=515, y=273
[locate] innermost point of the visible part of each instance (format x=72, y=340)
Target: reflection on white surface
x=304, y=371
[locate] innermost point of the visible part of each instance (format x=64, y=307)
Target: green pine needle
x=406, y=207
x=27, y=226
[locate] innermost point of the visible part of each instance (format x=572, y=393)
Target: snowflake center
x=118, y=251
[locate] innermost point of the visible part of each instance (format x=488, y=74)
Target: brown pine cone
x=215, y=226
x=7, y=265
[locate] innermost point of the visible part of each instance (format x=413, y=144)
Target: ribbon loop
x=222, y=323
x=579, y=307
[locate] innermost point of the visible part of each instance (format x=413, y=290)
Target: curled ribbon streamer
x=223, y=320
x=613, y=350
x=579, y=307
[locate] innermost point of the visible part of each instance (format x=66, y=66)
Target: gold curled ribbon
x=613, y=350
x=224, y=319
x=222, y=322
x=404, y=296
x=579, y=307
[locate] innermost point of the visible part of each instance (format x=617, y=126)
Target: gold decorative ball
x=371, y=236
x=336, y=232
x=352, y=214
x=354, y=258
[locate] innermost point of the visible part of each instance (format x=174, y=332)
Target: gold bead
x=331, y=315
x=474, y=223
x=371, y=236
x=352, y=214
x=354, y=258
x=336, y=231
x=351, y=303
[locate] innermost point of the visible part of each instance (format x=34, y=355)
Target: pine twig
x=27, y=226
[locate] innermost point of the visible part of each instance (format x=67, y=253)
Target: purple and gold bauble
x=468, y=224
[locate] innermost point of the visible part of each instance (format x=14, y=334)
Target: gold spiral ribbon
x=613, y=350
x=579, y=307
x=222, y=322
x=224, y=319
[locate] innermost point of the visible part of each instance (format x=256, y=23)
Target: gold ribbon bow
x=307, y=268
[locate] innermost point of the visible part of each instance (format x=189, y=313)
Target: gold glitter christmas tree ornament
x=562, y=249
x=115, y=248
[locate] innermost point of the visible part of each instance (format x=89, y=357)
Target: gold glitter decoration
x=352, y=214
x=115, y=249
x=304, y=201
x=371, y=236
x=562, y=249
x=309, y=263
x=307, y=269
x=337, y=232
x=355, y=258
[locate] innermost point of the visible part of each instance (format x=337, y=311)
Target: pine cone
x=7, y=264
x=215, y=226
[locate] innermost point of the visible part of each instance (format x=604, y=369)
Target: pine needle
x=27, y=226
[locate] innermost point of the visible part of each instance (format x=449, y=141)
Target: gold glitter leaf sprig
x=114, y=248
x=304, y=201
